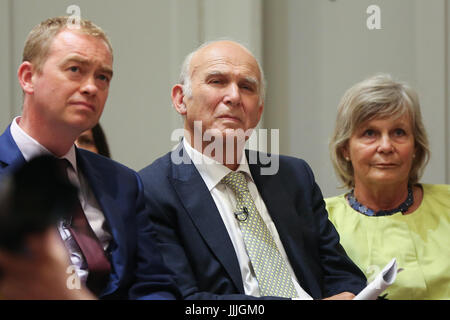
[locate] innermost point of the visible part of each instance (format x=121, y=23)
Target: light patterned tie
x=270, y=267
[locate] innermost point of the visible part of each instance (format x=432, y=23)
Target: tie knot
x=63, y=165
x=236, y=181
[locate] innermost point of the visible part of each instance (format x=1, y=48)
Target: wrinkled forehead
x=226, y=57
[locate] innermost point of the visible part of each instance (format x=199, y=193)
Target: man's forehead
x=77, y=42
x=220, y=57
x=73, y=46
x=217, y=67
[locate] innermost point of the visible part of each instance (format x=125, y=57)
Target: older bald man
x=225, y=228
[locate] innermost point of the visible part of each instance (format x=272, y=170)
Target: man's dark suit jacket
x=138, y=271
x=195, y=243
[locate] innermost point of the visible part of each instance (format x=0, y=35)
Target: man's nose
x=89, y=86
x=232, y=96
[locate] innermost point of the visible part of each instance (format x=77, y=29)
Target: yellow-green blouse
x=420, y=241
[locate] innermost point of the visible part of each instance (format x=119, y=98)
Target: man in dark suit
x=231, y=224
x=65, y=77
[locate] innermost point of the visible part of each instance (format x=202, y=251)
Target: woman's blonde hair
x=40, y=38
x=377, y=97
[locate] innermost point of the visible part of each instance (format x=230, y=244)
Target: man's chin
x=230, y=133
x=83, y=124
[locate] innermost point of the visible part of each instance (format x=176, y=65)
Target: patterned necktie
x=270, y=268
x=98, y=265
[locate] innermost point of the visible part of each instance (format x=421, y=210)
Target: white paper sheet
x=383, y=280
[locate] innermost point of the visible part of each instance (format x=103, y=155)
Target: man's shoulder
x=157, y=179
x=285, y=162
x=10, y=156
x=103, y=164
x=265, y=155
x=7, y=143
x=158, y=167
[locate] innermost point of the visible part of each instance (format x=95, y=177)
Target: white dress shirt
x=30, y=148
x=212, y=172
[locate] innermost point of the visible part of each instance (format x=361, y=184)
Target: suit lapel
x=285, y=218
x=106, y=195
x=201, y=208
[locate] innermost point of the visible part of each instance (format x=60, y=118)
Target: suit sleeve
x=340, y=273
x=153, y=280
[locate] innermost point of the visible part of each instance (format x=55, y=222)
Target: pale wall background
x=311, y=50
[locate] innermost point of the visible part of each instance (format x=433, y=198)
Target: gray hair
x=185, y=74
x=377, y=97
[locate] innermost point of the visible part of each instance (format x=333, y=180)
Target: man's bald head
x=191, y=61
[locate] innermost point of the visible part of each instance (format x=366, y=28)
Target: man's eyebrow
x=81, y=60
x=75, y=58
x=252, y=80
x=215, y=73
x=107, y=70
x=248, y=79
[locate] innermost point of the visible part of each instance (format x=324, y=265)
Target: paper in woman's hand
x=383, y=280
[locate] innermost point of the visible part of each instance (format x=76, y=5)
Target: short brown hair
x=377, y=97
x=40, y=38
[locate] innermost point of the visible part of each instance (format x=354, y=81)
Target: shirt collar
x=30, y=148
x=211, y=171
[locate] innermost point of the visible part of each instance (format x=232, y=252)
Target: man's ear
x=178, y=99
x=25, y=76
x=260, y=111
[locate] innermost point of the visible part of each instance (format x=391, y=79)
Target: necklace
x=403, y=207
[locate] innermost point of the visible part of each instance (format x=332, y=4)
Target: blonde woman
x=379, y=150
